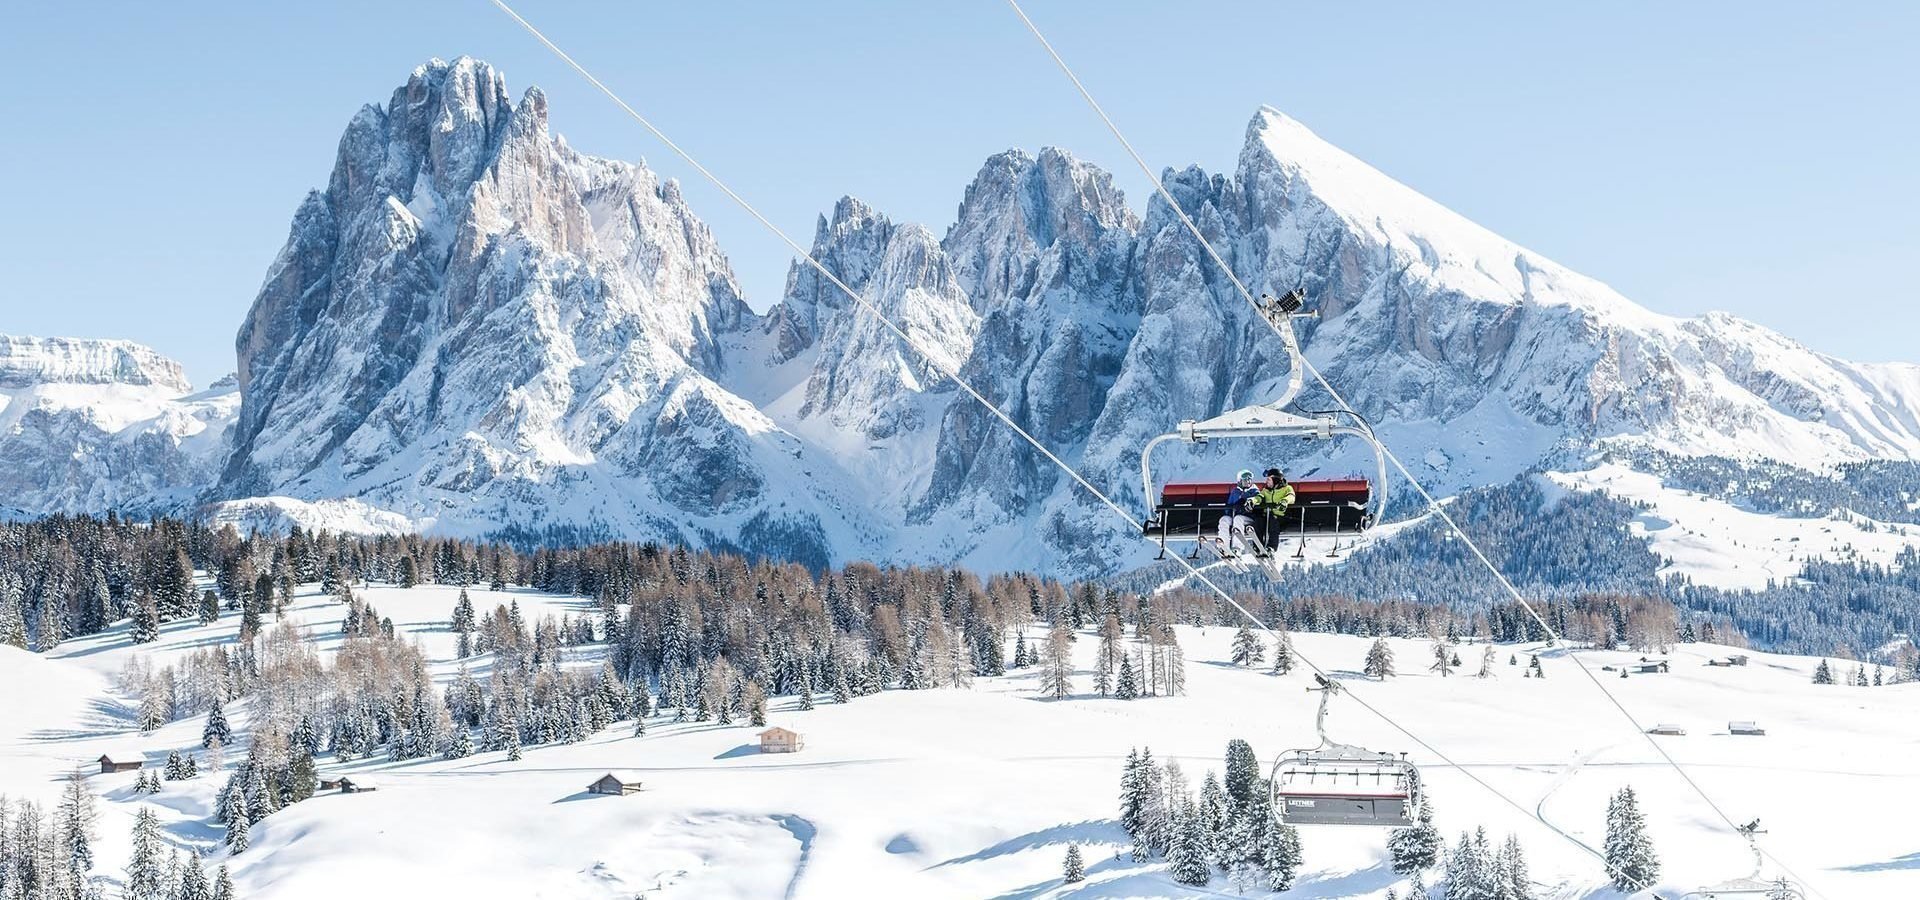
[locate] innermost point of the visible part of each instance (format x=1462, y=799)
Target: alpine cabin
x=781, y=740
x=357, y=786
x=618, y=784
x=120, y=762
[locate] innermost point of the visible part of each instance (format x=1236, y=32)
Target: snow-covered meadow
x=977, y=793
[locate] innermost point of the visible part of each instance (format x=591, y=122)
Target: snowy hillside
x=976, y=793
x=1712, y=542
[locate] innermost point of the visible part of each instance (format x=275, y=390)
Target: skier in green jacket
x=1275, y=496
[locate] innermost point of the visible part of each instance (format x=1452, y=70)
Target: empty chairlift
x=1340, y=784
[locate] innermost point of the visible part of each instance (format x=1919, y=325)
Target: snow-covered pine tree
x=144, y=872
x=222, y=884
x=1416, y=847
x=1470, y=869
x=237, y=829
x=1126, y=687
x=1215, y=820
x=1631, y=861
x=1187, y=848
x=1280, y=853
x=1379, y=660
x=1823, y=673
x=1074, y=869
x=13, y=611
x=1243, y=781
x=301, y=779
x=1155, y=810
x=193, y=880
x=1515, y=884
x=146, y=621
x=462, y=743
x=217, y=728
x=1534, y=667
x=1133, y=798
x=1282, y=655
x=209, y=608
x=1248, y=649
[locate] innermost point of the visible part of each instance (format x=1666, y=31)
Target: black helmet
x=1275, y=473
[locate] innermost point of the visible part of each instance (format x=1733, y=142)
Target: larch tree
x=1057, y=662
x=1443, y=660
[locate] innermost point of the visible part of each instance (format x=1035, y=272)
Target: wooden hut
x=1747, y=728
x=331, y=784
x=781, y=740
x=357, y=786
x=615, y=783
x=120, y=762
x=1668, y=730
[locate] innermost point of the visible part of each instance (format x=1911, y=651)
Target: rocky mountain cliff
x=474, y=326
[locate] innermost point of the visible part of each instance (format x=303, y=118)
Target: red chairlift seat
x=1188, y=510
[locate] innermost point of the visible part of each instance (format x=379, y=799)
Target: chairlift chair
x=1343, y=507
x=1341, y=784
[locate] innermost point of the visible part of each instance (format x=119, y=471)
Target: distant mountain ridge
x=474, y=326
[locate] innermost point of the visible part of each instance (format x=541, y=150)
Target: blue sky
x=1751, y=157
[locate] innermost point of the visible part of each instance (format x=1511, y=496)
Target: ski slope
x=976, y=793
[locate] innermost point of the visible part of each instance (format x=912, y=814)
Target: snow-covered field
x=1715, y=543
x=976, y=793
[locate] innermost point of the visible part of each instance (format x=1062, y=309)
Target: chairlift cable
x=952, y=374
x=1287, y=336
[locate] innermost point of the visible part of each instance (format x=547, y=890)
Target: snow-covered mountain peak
x=29, y=361
x=1296, y=176
x=1019, y=206
x=90, y=425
